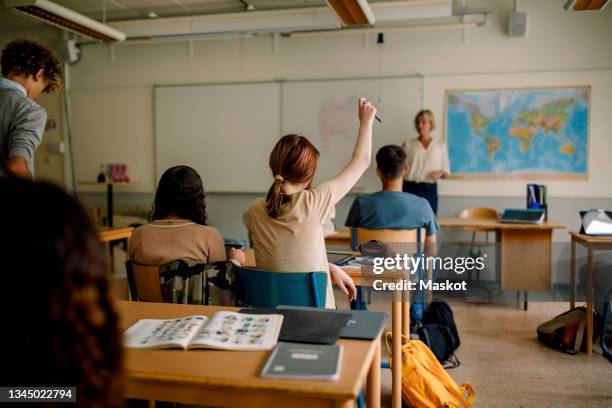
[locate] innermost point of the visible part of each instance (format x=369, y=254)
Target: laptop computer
x=596, y=222
x=523, y=216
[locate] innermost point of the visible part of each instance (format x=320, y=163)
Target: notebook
x=224, y=330
x=304, y=362
x=523, y=216
x=362, y=325
x=305, y=326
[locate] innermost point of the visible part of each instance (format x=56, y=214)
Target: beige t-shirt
x=294, y=241
x=163, y=241
x=423, y=161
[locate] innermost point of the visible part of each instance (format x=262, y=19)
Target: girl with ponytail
x=286, y=228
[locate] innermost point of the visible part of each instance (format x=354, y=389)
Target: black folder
x=363, y=324
x=304, y=326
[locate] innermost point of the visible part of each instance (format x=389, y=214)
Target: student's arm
x=24, y=138
x=445, y=162
x=362, y=154
x=344, y=282
x=430, y=223
x=18, y=166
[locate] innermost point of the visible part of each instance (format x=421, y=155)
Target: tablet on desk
x=523, y=216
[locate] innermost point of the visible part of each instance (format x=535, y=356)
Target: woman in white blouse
x=428, y=160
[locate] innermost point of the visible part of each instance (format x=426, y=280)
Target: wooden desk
x=108, y=234
x=231, y=378
x=109, y=194
x=591, y=244
x=400, y=324
x=342, y=237
x=524, y=251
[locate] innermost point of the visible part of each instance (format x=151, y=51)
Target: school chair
x=143, y=282
x=256, y=288
x=388, y=236
x=475, y=246
x=361, y=235
x=606, y=324
x=602, y=299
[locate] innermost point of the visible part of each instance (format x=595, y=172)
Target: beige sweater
x=163, y=241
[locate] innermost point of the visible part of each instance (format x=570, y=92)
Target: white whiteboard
x=226, y=131
x=326, y=113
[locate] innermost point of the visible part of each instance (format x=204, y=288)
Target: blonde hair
x=426, y=113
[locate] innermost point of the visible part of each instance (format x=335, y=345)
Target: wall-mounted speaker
x=518, y=25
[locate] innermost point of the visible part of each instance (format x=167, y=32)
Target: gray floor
x=501, y=357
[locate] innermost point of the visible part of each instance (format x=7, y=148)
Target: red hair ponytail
x=293, y=159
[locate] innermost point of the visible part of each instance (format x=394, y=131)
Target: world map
x=528, y=132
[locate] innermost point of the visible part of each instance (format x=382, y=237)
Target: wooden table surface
x=456, y=222
x=231, y=378
x=107, y=234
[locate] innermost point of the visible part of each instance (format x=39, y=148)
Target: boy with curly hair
x=28, y=69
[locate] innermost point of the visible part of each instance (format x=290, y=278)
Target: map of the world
x=519, y=132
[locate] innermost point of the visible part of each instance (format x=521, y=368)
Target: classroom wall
x=116, y=84
x=109, y=79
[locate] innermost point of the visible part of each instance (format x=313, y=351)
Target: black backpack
x=439, y=332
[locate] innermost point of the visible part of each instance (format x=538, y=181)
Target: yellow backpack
x=425, y=384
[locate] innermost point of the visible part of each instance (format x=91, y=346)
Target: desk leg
x=406, y=313
x=589, y=316
x=429, y=291
x=396, y=350
x=573, y=276
x=109, y=204
x=373, y=387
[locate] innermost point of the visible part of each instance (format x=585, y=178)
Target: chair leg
x=360, y=400
x=604, y=322
x=358, y=303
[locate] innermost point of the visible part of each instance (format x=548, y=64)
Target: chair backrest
x=143, y=281
x=256, y=288
x=478, y=214
x=361, y=235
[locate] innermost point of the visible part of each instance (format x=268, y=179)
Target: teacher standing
x=428, y=160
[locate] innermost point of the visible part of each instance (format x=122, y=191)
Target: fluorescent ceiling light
x=64, y=18
x=585, y=5
x=352, y=12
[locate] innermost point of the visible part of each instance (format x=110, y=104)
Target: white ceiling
x=113, y=10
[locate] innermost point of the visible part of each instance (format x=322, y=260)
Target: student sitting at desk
x=391, y=208
x=178, y=229
x=286, y=228
x=60, y=327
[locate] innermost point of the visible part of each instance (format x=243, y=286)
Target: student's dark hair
x=390, y=161
x=293, y=159
x=180, y=192
x=61, y=326
x=26, y=57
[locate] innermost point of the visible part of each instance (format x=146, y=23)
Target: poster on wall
x=519, y=133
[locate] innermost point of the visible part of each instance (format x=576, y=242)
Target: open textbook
x=224, y=330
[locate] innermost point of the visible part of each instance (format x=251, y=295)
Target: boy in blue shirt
x=391, y=208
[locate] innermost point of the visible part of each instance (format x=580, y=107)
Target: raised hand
x=367, y=111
